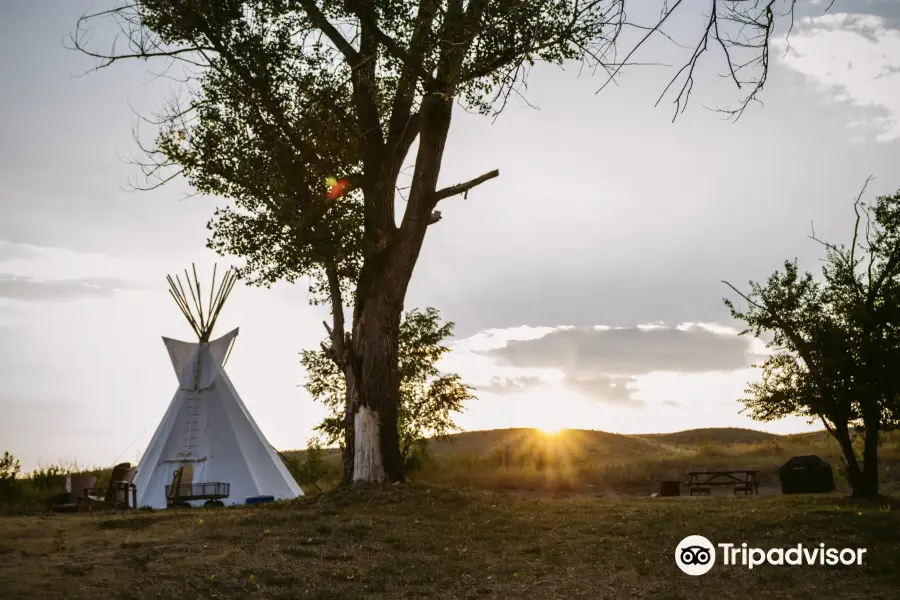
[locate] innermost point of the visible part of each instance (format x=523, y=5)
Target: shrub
x=49, y=479
x=314, y=469
x=418, y=458
x=9, y=470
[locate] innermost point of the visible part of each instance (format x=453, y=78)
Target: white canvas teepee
x=207, y=429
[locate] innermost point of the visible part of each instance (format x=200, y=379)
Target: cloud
x=30, y=272
x=491, y=339
x=856, y=57
x=510, y=385
x=586, y=352
x=611, y=390
x=9, y=250
x=55, y=264
x=24, y=288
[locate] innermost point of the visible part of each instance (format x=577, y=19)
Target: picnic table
x=741, y=480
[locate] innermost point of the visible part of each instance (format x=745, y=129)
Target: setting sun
x=551, y=429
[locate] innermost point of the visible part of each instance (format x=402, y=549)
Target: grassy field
x=600, y=463
x=436, y=542
x=491, y=514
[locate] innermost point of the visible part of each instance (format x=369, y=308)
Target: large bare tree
x=282, y=94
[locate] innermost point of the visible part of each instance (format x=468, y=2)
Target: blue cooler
x=259, y=499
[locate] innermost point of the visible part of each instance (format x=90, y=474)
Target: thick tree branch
x=378, y=211
x=337, y=316
x=410, y=132
x=463, y=188
x=401, y=109
x=318, y=18
x=379, y=214
x=828, y=426
x=410, y=59
x=459, y=33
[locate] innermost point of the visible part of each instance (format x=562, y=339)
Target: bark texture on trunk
x=842, y=435
x=374, y=408
x=868, y=487
x=349, y=428
x=367, y=456
x=863, y=478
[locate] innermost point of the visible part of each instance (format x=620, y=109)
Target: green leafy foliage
x=49, y=478
x=835, y=339
x=428, y=398
x=9, y=470
x=314, y=469
x=274, y=106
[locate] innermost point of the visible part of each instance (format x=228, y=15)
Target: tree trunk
x=378, y=308
x=375, y=452
x=350, y=404
x=854, y=473
x=868, y=487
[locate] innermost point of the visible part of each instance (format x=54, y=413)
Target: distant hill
x=602, y=463
x=598, y=444
x=716, y=435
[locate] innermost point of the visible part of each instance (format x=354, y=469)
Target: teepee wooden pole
x=201, y=319
x=212, y=288
x=176, y=290
x=224, y=290
x=197, y=301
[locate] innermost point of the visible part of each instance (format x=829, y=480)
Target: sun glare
x=551, y=429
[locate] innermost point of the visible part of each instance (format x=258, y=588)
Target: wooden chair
x=77, y=485
x=125, y=486
x=116, y=494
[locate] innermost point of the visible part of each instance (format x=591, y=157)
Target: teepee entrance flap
x=197, y=365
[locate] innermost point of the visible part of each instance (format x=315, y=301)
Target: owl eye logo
x=695, y=555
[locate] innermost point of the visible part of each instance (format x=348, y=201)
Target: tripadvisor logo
x=696, y=555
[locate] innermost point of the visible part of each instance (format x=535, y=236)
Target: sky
x=585, y=282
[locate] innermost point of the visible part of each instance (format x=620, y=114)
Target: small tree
x=50, y=478
x=428, y=398
x=9, y=467
x=314, y=469
x=9, y=470
x=835, y=341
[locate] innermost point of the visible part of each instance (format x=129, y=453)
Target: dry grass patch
x=433, y=542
